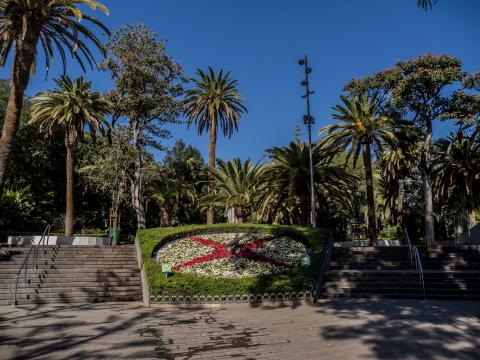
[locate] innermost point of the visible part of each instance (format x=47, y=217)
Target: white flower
x=282, y=249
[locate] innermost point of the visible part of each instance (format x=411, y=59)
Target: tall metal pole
x=309, y=121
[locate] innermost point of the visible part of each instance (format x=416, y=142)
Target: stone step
x=402, y=284
x=73, y=265
x=75, y=300
x=5, y=293
x=429, y=293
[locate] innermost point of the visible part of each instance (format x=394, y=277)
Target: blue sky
x=260, y=41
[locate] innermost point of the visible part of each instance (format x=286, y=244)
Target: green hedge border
x=299, y=279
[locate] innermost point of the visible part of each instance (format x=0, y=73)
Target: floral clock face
x=232, y=254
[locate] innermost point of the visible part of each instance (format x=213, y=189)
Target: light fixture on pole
x=309, y=121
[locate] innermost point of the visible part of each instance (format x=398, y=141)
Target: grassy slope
x=299, y=279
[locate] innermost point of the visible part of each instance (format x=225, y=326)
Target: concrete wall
x=58, y=240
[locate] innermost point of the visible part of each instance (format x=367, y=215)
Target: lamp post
x=309, y=121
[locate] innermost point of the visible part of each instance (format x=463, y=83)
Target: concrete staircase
x=450, y=272
x=72, y=274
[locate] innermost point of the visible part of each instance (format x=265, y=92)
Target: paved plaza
x=339, y=329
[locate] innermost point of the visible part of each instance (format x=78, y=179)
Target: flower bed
x=206, y=262
x=210, y=254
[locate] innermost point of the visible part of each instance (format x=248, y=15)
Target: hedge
x=298, y=279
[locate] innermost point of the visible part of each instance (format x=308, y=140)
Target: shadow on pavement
x=401, y=329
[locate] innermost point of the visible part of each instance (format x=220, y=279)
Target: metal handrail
x=323, y=268
x=419, y=267
x=409, y=244
x=415, y=255
x=24, y=267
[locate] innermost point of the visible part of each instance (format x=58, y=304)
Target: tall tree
x=184, y=164
x=147, y=86
x=73, y=106
x=361, y=128
x=107, y=166
x=417, y=88
x=397, y=164
x=53, y=24
x=214, y=102
x=457, y=175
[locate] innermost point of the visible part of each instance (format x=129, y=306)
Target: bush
x=182, y=284
x=389, y=232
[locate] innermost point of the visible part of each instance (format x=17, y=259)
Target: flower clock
x=232, y=254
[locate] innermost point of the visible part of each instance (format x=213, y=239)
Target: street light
x=309, y=121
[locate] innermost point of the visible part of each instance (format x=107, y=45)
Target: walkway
x=340, y=329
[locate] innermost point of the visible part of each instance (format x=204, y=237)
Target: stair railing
x=33, y=256
x=415, y=259
x=322, y=269
x=419, y=267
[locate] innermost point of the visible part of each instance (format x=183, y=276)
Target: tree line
x=90, y=154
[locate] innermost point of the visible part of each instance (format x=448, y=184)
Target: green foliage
x=215, y=101
x=388, y=232
x=361, y=123
x=71, y=105
x=237, y=185
x=58, y=24
x=185, y=169
x=16, y=207
x=147, y=83
x=299, y=279
x=457, y=171
x=287, y=186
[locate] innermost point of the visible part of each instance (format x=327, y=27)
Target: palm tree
x=214, y=102
x=362, y=126
x=73, y=107
x=426, y=4
x=53, y=24
x=237, y=186
x=397, y=164
x=457, y=173
x=286, y=192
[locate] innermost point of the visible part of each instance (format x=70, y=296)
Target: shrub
x=388, y=232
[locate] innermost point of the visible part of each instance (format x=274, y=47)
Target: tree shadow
x=402, y=329
x=124, y=331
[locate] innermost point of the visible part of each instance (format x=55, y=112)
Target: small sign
x=306, y=261
x=166, y=269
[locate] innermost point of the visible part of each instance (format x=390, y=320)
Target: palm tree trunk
x=367, y=162
x=305, y=217
x=401, y=189
x=472, y=209
x=69, y=208
x=211, y=164
x=22, y=64
x=164, y=216
x=427, y=188
x=137, y=182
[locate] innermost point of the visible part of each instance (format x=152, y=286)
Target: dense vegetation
x=409, y=178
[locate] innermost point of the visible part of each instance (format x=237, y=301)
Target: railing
x=34, y=248
x=415, y=259
x=419, y=267
x=322, y=269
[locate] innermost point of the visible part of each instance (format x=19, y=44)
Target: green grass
x=298, y=279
